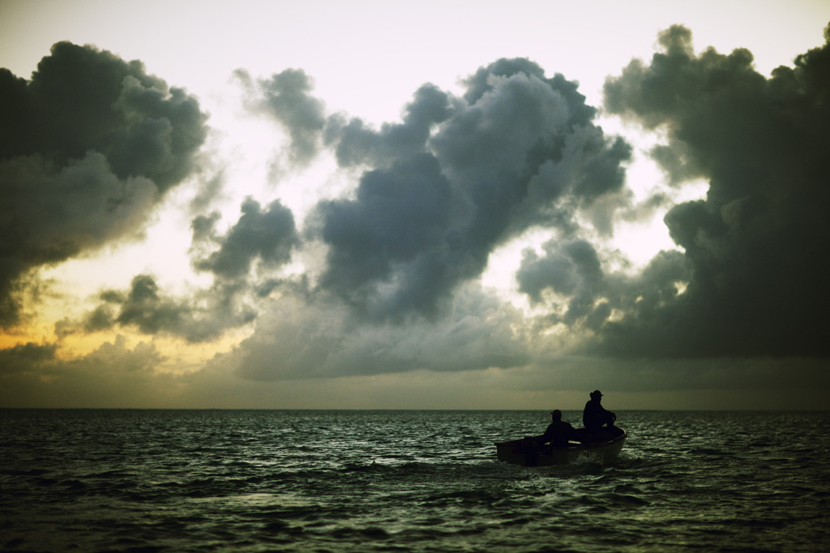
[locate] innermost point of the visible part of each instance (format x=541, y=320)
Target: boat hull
x=603, y=447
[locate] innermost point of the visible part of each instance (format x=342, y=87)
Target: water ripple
x=222, y=481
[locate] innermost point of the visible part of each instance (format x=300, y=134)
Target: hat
x=556, y=412
x=596, y=393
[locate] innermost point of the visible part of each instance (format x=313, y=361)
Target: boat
x=601, y=446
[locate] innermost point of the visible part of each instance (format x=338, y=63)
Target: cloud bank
x=395, y=284
x=459, y=176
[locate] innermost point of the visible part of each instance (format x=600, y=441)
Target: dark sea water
x=124, y=480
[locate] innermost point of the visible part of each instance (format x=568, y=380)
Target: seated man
x=558, y=432
x=595, y=416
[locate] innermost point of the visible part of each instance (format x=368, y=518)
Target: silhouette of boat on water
x=601, y=446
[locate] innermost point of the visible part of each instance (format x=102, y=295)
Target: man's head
x=556, y=414
x=596, y=395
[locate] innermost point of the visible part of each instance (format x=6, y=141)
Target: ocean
x=260, y=480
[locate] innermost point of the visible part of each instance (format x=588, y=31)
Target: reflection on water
x=406, y=480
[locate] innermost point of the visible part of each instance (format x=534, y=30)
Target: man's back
x=595, y=416
x=592, y=409
x=559, y=432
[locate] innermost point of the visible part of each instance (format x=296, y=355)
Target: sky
x=414, y=205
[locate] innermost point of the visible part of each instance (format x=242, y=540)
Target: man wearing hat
x=595, y=416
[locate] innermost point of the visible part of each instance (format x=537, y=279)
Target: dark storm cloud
x=285, y=97
x=399, y=218
x=755, y=245
x=357, y=143
x=86, y=147
x=268, y=235
x=82, y=99
x=455, y=179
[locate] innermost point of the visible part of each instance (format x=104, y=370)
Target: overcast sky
x=465, y=205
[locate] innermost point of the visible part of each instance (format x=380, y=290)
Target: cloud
x=757, y=286
x=23, y=357
x=149, y=310
x=398, y=220
x=457, y=178
x=269, y=236
x=201, y=316
x=572, y=281
x=82, y=99
x=298, y=340
x=285, y=98
x=570, y=268
x=210, y=191
x=264, y=236
x=734, y=379
x=356, y=143
x=50, y=215
x=119, y=376
x=87, y=146
x=111, y=376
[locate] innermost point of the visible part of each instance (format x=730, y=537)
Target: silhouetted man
x=595, y=416
x=558, y=432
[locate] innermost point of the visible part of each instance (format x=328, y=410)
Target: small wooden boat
x=601, y=446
